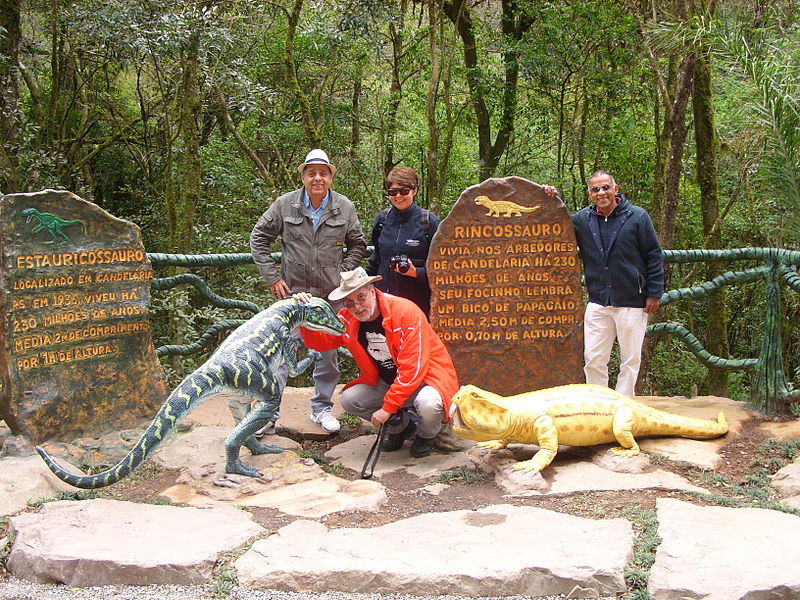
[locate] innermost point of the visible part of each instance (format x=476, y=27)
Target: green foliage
x=645, y=526
x=350, y=423
x=754, y=489
x=77, y=495
x=637, y=594
x=224, y=583
x=787, y=449
x=100, y=115
x=636, y=578
x=462, y=474
x=324, y=463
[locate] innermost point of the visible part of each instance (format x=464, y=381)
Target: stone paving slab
x=101, y=542
x=26, y=479
x=719, y=553
x=292, y=484
x=353, y=453
x=496, y=550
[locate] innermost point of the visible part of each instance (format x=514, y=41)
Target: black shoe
x=421, y=447
x=394, y=441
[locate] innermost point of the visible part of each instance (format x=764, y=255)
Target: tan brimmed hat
x=352, y=281
x=317, y=157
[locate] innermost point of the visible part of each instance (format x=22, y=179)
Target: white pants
x=362, y=400
x=603, y=324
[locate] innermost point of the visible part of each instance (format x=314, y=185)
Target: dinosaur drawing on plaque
x=508, y=209
x=52, y=224
x=572, y=415
x=245, y=362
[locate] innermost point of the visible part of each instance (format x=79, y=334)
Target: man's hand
x=279, y=289
x=303, y=297
x=379, y=417
x=550, y=190
x=651, y=305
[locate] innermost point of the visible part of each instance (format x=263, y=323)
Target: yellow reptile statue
x=573, y=415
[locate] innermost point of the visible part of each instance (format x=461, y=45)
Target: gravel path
x=17, y=589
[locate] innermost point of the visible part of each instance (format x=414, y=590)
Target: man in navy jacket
x=624, y=270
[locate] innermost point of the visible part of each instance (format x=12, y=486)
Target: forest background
x=189, y=117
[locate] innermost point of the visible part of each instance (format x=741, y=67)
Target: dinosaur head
x=29, y=214
x=318, y=315
x=477, y=415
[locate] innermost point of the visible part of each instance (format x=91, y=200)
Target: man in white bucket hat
x=315, y=225
x=403, y=363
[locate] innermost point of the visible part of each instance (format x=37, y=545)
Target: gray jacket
x=311, y=260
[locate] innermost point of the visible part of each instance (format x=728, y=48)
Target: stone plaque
x=76, y=355
x=506, y=288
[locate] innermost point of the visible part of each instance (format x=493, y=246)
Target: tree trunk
x=513, y=28
x=707, y=151
x=395, y=94
x=312, y=126
x=190, y=169
x=10, y=115
x=432, y=154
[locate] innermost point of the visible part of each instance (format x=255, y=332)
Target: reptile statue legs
x=622, y=426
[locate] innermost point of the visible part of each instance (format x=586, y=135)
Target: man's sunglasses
x=401, y=191
x=600, y=188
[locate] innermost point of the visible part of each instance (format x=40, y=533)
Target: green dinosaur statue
x=245, y=362
x=572, y=415
x=52, y=224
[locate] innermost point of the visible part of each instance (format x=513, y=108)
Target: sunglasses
x=360, y=299
x=600, y=188
x=401, y=191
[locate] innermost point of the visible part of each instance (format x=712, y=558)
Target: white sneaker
x=326, y=419
x=268, y=429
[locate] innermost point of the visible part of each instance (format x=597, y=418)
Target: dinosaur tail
x=658, y=422
x=191, y=392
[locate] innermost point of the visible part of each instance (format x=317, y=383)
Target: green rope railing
x=769, y=389
x=769, y=392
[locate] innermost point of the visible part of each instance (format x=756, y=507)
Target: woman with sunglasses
x=401, y=237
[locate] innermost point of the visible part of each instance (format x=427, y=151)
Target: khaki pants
x=601, y=326
x=362, y=400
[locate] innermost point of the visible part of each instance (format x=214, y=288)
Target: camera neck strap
x=374, y=453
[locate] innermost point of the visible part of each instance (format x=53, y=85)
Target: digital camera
x=400, y=262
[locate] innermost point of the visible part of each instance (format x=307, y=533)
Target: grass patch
x=324, y=463
x=754, y=490
x=226, y=578
x=77, y=495
x=464, y=475
x=5, y=550
x=226, y=581
x=646, y=542
x=350, y=423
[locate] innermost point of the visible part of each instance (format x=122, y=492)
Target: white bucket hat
x=352, y=281
x=317, y=157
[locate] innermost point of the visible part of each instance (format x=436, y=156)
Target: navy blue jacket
x=622, y=260
x=403, y=232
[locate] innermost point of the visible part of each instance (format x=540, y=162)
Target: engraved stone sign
x=506, y=288
x=76, y=355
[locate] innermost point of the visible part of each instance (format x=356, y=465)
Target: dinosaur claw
x=239, y=468
x=260, y=448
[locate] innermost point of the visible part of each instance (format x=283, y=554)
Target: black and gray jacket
x=622, y=259
x=311, y=258
x=406, y=232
